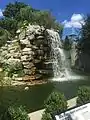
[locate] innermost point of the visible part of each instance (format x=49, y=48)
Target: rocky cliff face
x=27, y=56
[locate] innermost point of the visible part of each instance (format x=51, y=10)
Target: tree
x=55, y=102
x=84, y=43
x=42, y=18
x=27, y=13
x=11, y=15
x=16, y=13
x=9, y=24
x=67, y=43
x=12, y=10
x=83, y=95
x=45, y=18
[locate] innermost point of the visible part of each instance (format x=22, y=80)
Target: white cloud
x=64, y=22
x=1, y=14
x=76, y=17
x=76, y=21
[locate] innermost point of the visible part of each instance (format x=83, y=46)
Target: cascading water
x=60, y=59
x=55, y=54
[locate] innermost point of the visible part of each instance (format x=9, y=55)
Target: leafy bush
x=12, y=10
x=83, y=95
x=4, y=36
x=14, y=113
x=55, y=102
x=46, y=116
x=9, y=24
x=4, y=80
x=13, y=68
x=42, y=18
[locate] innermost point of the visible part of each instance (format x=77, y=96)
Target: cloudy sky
x=69, y=12
x=76, y=20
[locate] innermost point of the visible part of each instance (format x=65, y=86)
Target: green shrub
x=1, y=78
x=4, y=36
x=14, y=113
x=46, y=116
x=9, y=24
x=55, y=102
x=13, y=68
x=83, y=95
x=42, y=18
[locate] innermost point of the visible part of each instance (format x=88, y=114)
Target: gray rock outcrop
x=28, y=55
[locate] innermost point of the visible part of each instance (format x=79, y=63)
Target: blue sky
x=61, y=9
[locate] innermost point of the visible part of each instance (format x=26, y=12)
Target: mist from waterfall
x=60, y=59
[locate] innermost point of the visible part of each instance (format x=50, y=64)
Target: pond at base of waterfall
x=33, y=98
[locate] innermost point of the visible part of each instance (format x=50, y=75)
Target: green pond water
x=33, y=99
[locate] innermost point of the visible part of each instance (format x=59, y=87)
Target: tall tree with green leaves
x=84, y=44
x=12, y=9
x=16, y=13
x=11, y=14
x=42, y=18
x=9, y=24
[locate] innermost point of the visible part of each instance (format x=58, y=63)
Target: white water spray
x=61, y=60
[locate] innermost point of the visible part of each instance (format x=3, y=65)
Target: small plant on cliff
x=55, y=102
x=14, y=113
x=83, y=95
x=4, y=36
x=13, y=68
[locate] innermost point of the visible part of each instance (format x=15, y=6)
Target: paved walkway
x=38, y=114
x=72, y=102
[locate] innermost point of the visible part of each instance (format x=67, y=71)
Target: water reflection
x=34, y=97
